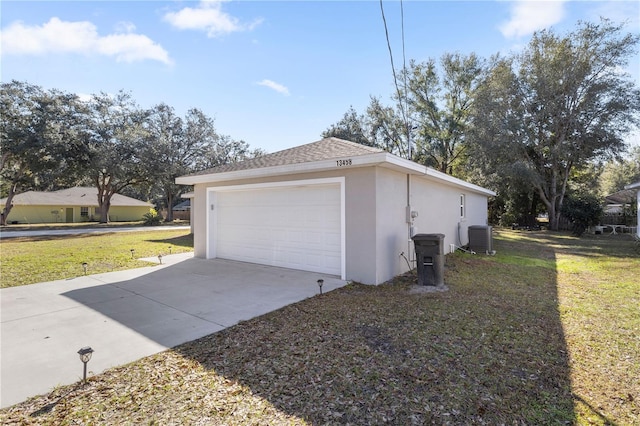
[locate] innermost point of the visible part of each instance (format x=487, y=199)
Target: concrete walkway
x=127, y=315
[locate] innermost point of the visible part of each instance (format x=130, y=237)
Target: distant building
x=636, y=188
x=182, y=211
x=72, y=205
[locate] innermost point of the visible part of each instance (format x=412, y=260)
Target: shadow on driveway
x=127, y=315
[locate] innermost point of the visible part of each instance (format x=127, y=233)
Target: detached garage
x=332, y=207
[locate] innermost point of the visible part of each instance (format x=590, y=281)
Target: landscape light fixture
x=320, y=282
x=132, y=251
x=85, y=356
x=169, y=249
x=84, y=267
x=160, y=258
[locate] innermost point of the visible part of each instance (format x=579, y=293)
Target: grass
x=543, y=333
x=31, y=260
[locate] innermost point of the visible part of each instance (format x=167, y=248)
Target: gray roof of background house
x=626, y=196
x=324, y=149
x=183, y=206
x=77, y=196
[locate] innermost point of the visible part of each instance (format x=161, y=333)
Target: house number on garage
x=342, y=163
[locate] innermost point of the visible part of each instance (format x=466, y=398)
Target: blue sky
x=272, y=73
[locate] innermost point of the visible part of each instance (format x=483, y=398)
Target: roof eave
x=383, y=159
x=287, y=169
x=459, y=182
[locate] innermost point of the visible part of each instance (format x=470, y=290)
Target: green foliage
x=351, y=127
x=151, y=218
x=51, y=140
x=42, y=139
x=618, y=173
x=433, y=108
x=583, y=210
x=556, y=106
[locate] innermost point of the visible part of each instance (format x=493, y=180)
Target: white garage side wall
x=198, y=208
x=361, y=246
x=438, y=207
x=392, y=229
x=477, y=213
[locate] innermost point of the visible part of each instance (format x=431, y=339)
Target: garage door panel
x=293, y=227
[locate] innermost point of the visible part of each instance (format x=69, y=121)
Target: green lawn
x=38, y=259
x=544, y=333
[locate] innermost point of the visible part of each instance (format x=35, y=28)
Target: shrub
x=583, y=210
x=151, y=218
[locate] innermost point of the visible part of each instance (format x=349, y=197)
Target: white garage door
x=296, y=227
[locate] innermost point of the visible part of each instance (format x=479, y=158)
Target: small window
x=84, y=211
x=462, y=208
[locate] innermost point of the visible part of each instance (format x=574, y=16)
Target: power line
x=393, y=69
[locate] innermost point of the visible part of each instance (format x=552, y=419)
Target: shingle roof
x=626, y=196
x=325, y=149
x=77, y=196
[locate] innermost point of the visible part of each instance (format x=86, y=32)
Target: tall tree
x=167, y=152
x=42, y=139
x=177, y=147
x=431, y=111
x=440, y=104
x=351, y=127
x=387, y=129
x=119, y=147
x=560, y=103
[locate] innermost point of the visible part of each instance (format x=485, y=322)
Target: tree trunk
x=9, y=205
x=554, y=218
x=169, y=217
x=552, y=210
x=105, y=191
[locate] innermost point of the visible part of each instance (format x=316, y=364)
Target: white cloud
x=275, y=86
x=125, y=27
x=208, y=16
x=57, y=36
x=528, y=16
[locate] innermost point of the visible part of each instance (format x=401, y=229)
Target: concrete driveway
x=127, y=315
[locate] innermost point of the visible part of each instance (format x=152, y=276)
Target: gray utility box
x=430, y=258
x=481, y=239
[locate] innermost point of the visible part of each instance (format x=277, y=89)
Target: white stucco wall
x=392, y=228
x=438, y=207
x=375, y=217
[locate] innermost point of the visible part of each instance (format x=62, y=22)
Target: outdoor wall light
x=160, y=258
x=320, y=282
x=132, y=251
x=85, y=356
x=84, y=267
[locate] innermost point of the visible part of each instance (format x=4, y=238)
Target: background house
x=618, y=208
x=636, y=187
x=182, y=210
x=330, y=206
x=78, y=204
